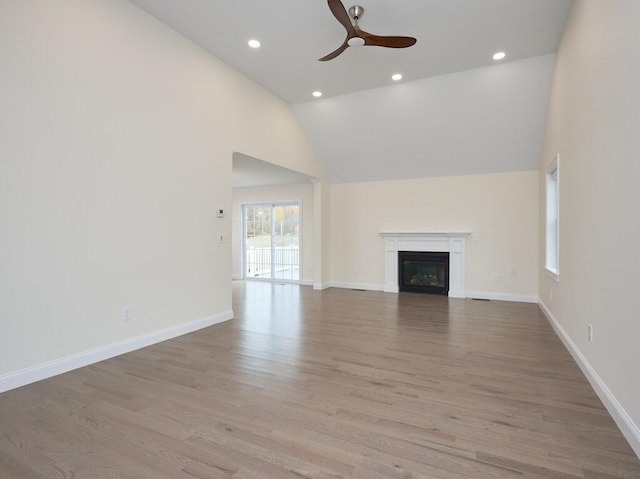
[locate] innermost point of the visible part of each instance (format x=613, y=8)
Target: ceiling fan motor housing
x=356, y=12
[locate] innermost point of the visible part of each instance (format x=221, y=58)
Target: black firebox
x=423, y=272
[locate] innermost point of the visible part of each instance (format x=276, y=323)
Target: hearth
x=423, y=272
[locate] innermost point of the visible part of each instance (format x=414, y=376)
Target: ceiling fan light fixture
x=499, y=55
x=253, y=43
x=396, y=77
x=317, y=94
x=355, y=42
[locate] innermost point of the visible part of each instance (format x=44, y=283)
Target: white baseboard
x=58, y=366
x=629, y=429
x=518, y=298
x=365, y=286
x=521, y=298
x=321, y=286
x=236, y=277
x=306, y=282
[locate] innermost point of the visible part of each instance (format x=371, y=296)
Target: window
x=552, y=219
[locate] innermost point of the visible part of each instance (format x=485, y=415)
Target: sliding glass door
x=272, y=241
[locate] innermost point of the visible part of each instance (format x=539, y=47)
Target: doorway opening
x=272, y=241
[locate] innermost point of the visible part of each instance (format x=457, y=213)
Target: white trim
x=455, y=294
x=58, y=366
x=321, y=286
x=453, y=243
x=434, y=234
x=236, y=277
x=552, y=193
x=366, y=286
x=553, y=274
x=517, y=298
x=629, y=429
x=306, y=282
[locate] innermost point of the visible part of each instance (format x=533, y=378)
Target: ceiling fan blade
x=338, y=10
x=389, y=42
x=335, y=53
x=360, y=36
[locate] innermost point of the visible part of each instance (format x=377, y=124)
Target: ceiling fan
x=357, y=37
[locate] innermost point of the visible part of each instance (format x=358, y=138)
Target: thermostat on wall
x=220, y=213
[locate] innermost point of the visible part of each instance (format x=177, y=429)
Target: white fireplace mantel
x=452, y=243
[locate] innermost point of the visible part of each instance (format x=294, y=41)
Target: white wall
x=116, y=147
x=500, y=210
x=593, y=124
x=297, y=192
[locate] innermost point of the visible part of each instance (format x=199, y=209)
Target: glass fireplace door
x=423, y=272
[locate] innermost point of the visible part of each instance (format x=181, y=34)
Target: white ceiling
x=249, y=172
x=455, y=112
x=453, y=35
x=486, y=120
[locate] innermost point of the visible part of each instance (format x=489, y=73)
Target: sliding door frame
x=272, y=205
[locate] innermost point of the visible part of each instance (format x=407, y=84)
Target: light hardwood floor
x=331, y=384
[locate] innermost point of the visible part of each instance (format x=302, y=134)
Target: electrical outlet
x=590, y=333
x=221, y=238
x=127, y=313
x=497, y=278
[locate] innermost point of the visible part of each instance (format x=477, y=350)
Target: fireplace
x=423, y=272
x=452, y=243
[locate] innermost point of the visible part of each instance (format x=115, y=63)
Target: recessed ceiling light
x=396, y=77
x=254, y=43
x=499, y=55
x=317, y=94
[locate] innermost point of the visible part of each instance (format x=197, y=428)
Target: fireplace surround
x=452, y=243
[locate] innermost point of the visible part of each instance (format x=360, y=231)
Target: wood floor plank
x=326, y=384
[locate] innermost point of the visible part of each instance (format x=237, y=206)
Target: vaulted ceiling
x=454, y=112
